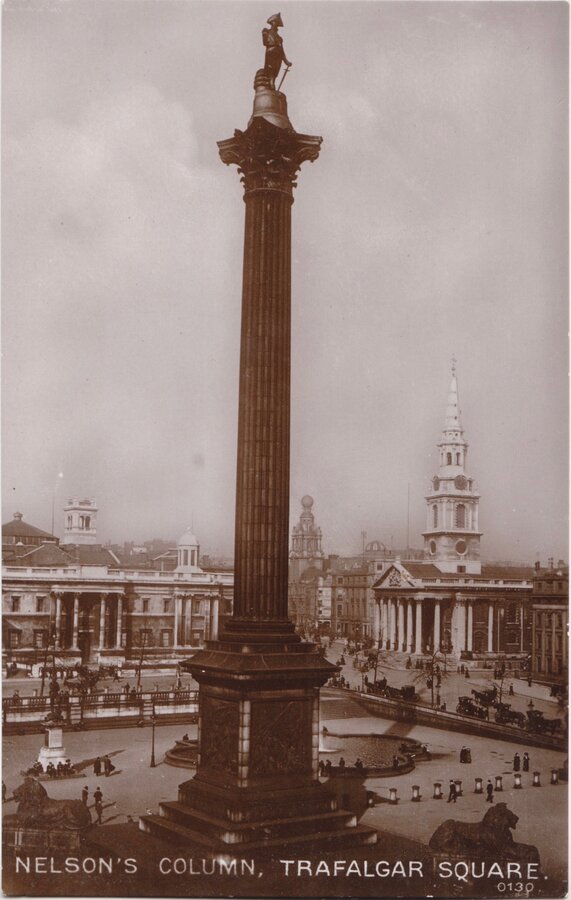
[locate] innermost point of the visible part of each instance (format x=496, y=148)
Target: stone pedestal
x=53, y=750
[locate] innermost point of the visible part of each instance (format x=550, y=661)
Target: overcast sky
x=433, y=223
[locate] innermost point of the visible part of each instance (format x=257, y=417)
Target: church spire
x=452, y=422
x=452, y=536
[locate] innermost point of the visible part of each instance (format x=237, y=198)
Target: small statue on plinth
x=275, y=54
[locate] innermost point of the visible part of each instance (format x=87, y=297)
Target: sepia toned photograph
x=285, y=423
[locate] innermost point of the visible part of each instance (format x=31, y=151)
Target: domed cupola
x=188, y=552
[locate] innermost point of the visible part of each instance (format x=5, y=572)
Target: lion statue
x=37, y=810
x=490, y=837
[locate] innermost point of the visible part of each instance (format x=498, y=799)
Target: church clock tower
x=452, y=538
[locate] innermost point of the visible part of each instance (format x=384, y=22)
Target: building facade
x=550, y=620
x=450, y=602
x=92, y=609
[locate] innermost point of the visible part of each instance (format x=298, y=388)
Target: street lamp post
x=153, y=723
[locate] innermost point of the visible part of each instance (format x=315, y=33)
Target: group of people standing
x=103, y=765
x=97, y=801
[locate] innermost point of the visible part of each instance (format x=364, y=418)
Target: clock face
x=435, y=483
x=460, y=482
x=461, y=547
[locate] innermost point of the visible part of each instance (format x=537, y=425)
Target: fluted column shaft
x=262, y=490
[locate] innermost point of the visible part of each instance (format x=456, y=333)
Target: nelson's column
x=256, y=784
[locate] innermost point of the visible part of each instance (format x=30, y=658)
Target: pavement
x=135, y=788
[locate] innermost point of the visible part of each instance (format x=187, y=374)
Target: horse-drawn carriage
x=505, y=715
x=537, y=723
x=486, y=697
x=468, y=707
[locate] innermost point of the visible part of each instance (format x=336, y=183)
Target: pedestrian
x=511, y=691
x=359, y=763
x=108, y=766
x=98, y=797
x=97, y=766
x=3, y=792
x=84, y=795
x=452, y=792
x=463, y=755
x=395, y=762
x=516, y=762
x=526, y=762
x=321, y=768
x=489, y=791
x=328, y=767
x=341, y=762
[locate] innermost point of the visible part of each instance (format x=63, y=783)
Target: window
x=448, y=459
x=40, y=604
x=167, y=606
x=40, y=639
x=14, y=639
x=193, y=558
x=185, y=557
x=15, y=604
x=145, y=637
x=435, y=516
x=69, y=521
x=457, y=459
x=165, y=638
x=460, y=516
x=461, y=568
x=145, y=604
x=88, y=521
x=197, y=607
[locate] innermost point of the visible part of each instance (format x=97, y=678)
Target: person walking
x=3, y=792
x=98, y=798
x=489, y=791
x=526, y=762
x=97, y=766
x=108, y=766
x=452, y=792
x=517, y=762
x=84, y=794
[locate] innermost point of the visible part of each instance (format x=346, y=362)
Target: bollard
x=458, y=784
x=437, y=795
x=536, y=781
x=517, y=780
x=478, y=789
x=393, y=795
x=416, y=793
x=498, y=786
x=554, y=776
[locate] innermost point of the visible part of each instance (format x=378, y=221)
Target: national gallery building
x=83, y=598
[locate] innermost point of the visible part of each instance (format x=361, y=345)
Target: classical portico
x=419, y=613
x=88, y=622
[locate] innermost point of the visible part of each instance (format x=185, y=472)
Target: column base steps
x=330, y=832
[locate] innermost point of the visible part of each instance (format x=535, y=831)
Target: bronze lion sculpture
x=37, y=810
x=490, y=837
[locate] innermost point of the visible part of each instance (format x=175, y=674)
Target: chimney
x=537, y=565
x=550, y=562
x=561, y=564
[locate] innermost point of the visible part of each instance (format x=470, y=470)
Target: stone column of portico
x=470, y=635
x=418, y=630
x=75, y=634
x=102, y=612
x=401, y=635
x=385, y=623
x=436, y=641
x=376, y=621
x=461, y=625
x=58, y=620
x=409, y=626
x=392, y=624
x=119, y=628
x=490, y=628
x=176, y=625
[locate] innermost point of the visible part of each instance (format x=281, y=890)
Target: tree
x=435, y=672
